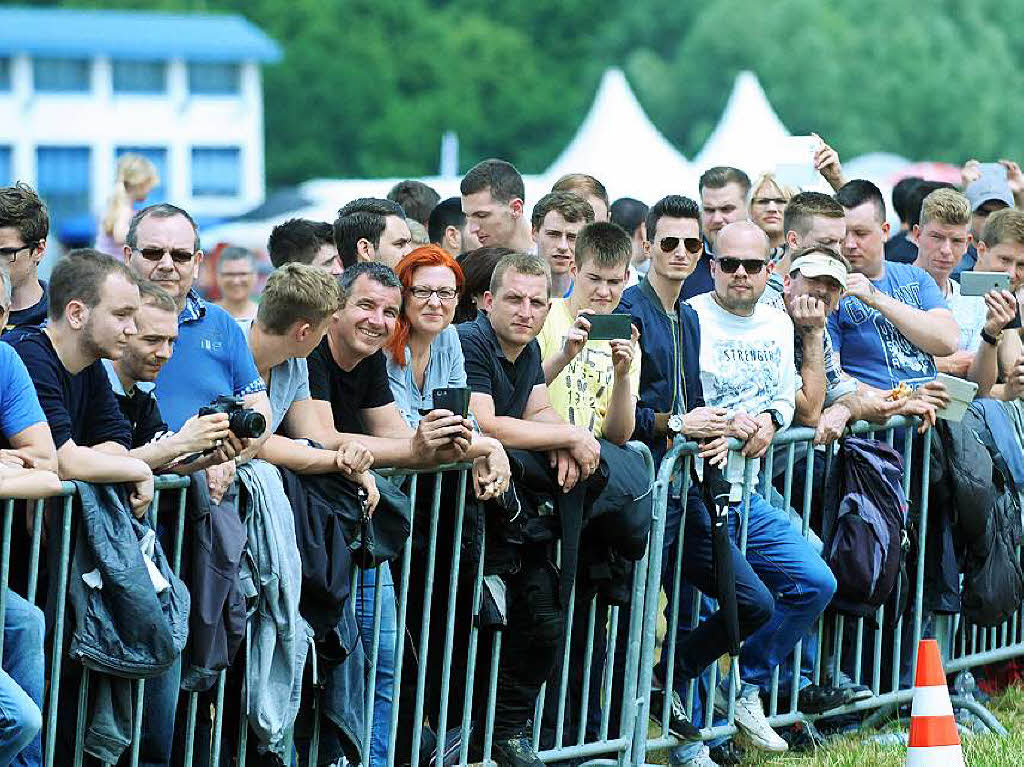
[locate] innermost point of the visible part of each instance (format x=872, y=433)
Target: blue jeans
x=21, y=683
x=384, y=691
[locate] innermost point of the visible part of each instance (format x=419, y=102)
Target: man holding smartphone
x=593, y=383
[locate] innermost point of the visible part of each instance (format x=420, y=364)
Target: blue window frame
x=63, y=179
x=5, y=74
x=216, y=171
x=5, y=166
x=61, y=75
x=214, y=78
x=132, y=76
x=158, y=156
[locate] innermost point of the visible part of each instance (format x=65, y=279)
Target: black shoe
x=802, y=737
x=817, y=699
x=515, y=752
x=679, y=724
x=729, y=754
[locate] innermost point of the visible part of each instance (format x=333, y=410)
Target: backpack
x=866, y=527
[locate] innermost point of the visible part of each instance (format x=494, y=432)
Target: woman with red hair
x=425, y=354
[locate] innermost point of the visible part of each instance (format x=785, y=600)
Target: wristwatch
x=675, y=424
x=990, y=339
x=776, y=417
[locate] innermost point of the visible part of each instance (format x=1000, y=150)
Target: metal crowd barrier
x=868, y=651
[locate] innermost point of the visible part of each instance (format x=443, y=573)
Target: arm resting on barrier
x=36, y=443
x=28, y=483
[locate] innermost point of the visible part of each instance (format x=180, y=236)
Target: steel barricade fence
x=46, y=528
x=878, y=651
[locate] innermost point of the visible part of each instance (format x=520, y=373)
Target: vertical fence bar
x=403, y=598
x=58, y=629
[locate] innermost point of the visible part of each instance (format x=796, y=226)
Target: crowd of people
x=750, y=310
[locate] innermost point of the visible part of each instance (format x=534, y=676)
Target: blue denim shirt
x=446, y=368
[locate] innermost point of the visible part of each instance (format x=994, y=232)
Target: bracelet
x=991, y=340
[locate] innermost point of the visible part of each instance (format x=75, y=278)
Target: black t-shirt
x=365, y=386
x=143, y=414
x=900, y=249
x=79, y=407
x=488, y=370
x=32, y=316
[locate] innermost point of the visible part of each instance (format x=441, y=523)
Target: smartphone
x=455, y=399
x=980, y=283
x=609, y=327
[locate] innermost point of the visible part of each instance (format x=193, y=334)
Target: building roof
x=619, y=145
x=132, y=34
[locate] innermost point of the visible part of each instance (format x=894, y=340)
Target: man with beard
x=92, y=303
x=371, y=229
x=132, y=376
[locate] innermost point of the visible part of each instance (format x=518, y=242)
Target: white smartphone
x=980, y=283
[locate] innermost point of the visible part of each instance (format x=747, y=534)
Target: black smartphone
x=455, y=398
x=609, y=327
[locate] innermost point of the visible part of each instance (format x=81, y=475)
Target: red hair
x=425, y=255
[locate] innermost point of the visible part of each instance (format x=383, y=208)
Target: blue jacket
x=665, y=346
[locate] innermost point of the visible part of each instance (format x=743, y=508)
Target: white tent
x=749, y=133
x=618, y=144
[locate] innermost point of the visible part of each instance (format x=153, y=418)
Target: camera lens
x=247, y=424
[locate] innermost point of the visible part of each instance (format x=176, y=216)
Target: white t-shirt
x=746, y=363
x=969, y=313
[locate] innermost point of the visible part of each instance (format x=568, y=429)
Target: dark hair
x=362, y=219
x=376, y=271
x=498, y=177
x=570, y=205
x=719, y=176
x=628, y=213
x=416, y=198
x=901, y=195
x=79, y=276
x=672, y=206
x=855, y=193
x=297, y=240
x=22, y=209
x=160, y=210
x=477, y=266
x=916, y=198
x=804, y=206
x=446, y=213
x=154, y=295
x=605, y=244
x=583, y=185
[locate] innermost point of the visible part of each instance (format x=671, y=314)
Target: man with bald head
x=747, y=369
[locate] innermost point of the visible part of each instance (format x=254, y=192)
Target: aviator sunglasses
x=668, y=244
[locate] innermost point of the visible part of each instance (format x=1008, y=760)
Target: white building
x=78, y=88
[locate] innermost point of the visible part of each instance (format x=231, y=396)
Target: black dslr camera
x=245, y=422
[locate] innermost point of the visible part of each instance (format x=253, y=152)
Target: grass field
x=859, y=751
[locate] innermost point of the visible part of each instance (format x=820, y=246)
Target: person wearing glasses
x=768, y=199
x=747, y=368
x=24, y=225
x=211, y=358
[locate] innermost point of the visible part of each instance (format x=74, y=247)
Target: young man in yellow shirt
x=593, y=384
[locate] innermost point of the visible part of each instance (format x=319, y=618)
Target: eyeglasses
x=424, y=293
x=10, y=255
x=157, y=254
x=668, y=244
x=765, y=201
x=750, y=265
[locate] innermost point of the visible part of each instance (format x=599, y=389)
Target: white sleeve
x=785, y=397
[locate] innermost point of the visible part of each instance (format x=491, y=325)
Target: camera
x=245, y=423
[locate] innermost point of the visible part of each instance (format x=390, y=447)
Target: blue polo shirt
x=211, y=359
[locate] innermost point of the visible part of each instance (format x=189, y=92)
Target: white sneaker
x=751, y=720
x=702, y=759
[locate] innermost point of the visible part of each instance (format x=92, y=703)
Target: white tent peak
x=748, y=132
x=618, y=144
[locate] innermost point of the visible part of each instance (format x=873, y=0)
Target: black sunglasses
x=668, y=244
x=750, y=265
x=157, y=254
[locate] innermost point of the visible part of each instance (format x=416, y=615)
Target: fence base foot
x=983, y=714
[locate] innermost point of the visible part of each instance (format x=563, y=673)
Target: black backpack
x=865, y=540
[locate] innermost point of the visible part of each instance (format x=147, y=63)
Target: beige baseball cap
x=818, y=264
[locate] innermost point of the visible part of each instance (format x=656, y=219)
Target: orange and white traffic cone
x=934, y=740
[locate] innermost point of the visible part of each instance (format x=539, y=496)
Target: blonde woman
x=136, y=178
x=768, y=198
